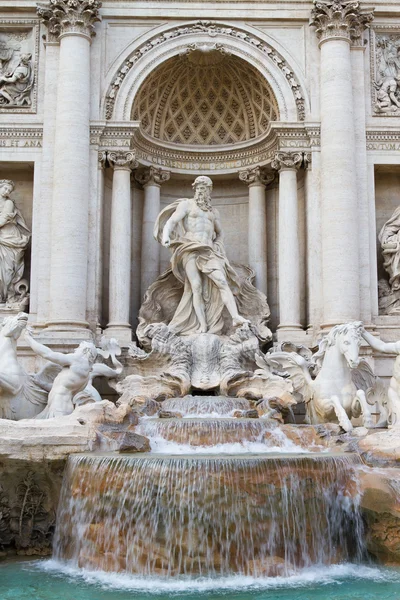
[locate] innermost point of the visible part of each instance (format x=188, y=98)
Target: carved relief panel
x=385, y=71
x=19, y=45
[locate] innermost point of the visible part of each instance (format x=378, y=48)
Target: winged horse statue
x=343, y=388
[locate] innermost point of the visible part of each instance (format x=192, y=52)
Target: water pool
x=48, y=580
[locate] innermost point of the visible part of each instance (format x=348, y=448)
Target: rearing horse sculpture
x=22, y=395
x=332, y=396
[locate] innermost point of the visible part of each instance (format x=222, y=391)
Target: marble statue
x=387, y=74
x=394, y=385
x=192, y=229
x=389, y=238
x=176, y=365
x=14, y=238
x=22, y=395
x=332, y=397
x=16, y=87
x=109, y=349
x=74, y=381
x=201, y=292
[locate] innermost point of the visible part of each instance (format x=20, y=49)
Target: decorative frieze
x=385, y=71
x=70, y=16
x=19, y=47
x=11, y=137
x=338, y=19
x=287, y=160
x=212, y=29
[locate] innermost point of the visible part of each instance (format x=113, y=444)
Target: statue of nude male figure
x=194, y=233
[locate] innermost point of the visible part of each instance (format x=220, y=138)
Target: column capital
x=285, y=161
x=63, y=17
x=256, y=176
x=121, y=160
x=339, y=19
x=152, y=176
x=101, y=159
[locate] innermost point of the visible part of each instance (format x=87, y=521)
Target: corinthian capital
x=339, y=19
x=119, y=159
x=287, y=160
x=255, y=176
x=152, y=175
x=70, y=16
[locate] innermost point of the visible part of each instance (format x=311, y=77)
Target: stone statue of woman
x=14, y=238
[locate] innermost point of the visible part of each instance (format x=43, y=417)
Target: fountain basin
x=214, y=516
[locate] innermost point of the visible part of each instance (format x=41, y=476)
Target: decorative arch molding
x=162, y=45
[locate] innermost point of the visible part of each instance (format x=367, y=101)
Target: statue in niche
x=16, y=86
x=201, y=292
x=14, y=238
x=389, y=238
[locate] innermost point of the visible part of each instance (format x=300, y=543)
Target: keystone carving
x=67, y=16
x=339, y=19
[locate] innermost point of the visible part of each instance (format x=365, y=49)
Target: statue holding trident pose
x=201, y=292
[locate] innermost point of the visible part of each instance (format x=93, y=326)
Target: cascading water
x=205, y=504
x=208, y=516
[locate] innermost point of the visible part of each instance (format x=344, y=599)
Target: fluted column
x=151, y=180
x=257, y=180
x=120, y=246
x=336, y=23
x=73, y=23
x=46, y=185
x=287, y=164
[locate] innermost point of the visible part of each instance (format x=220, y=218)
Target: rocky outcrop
x=33, y=455
x=380, y=503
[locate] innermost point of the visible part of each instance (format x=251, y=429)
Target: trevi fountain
x=199, y=300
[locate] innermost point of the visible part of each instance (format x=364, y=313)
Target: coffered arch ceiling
x=205, y=98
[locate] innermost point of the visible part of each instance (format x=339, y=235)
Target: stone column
x=287, y=164
x=257, y=180
x=120, y=246
x=335, y=22
x=151, y=180
x=73, y=23
x=359, y=90
x=46, y=187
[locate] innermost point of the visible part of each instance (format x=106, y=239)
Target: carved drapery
x=338, y=19
x=70, y=16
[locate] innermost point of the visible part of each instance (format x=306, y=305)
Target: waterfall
x=209, y=516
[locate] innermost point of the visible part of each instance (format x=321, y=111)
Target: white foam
x=160, y=445
x=303, y=578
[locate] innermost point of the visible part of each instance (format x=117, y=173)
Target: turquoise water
x=48, y=580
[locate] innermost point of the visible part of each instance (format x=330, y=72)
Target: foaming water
x=222, y=436
x=206, y=406
x=321, y=575
x=202, y=517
